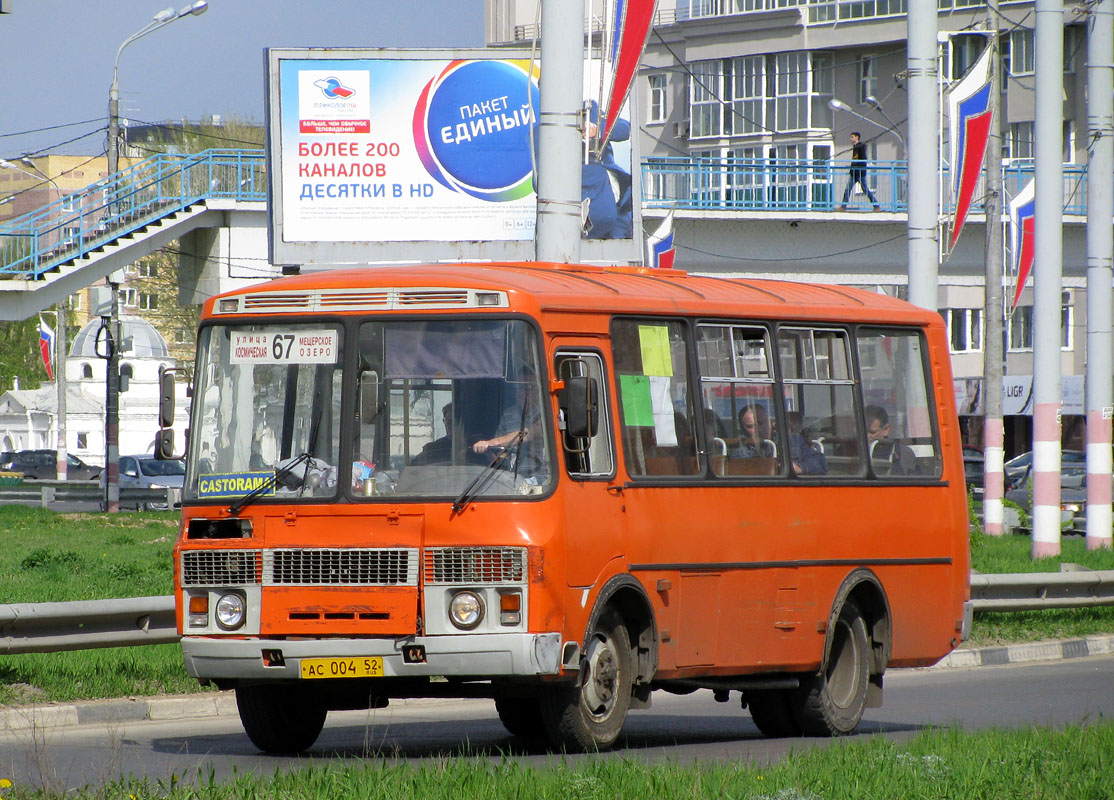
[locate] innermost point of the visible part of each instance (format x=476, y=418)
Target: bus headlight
x=466, y=610
x=230, y=611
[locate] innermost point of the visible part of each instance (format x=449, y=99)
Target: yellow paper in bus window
x=638, y=412
x=654, y=342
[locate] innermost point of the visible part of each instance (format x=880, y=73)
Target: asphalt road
x=682, y=729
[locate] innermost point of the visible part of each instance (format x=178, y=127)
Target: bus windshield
x=437, y=409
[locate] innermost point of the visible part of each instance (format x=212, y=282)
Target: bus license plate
x=362, y=667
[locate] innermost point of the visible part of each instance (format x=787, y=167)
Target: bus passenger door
x=591, y=511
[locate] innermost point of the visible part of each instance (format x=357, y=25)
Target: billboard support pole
x=560, y=132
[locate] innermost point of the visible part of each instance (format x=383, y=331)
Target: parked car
x=43, y=465
x=1018, y=467
x=148, y=472
x=973, y=473
x=970, y=451
x=1073, y=494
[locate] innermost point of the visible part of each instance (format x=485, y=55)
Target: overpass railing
x=78, y=223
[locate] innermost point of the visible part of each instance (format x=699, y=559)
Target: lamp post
x=835, y=104
x=161, y=19
x=876, y=104
x=59, y=355
x=112, y=376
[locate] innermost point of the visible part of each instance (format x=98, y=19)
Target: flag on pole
x=969, y=118
x=46, y=347
x=1022, y=219
x=659, y=245
x=632, y=19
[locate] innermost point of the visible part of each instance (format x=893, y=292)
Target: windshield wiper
x=480, y=482
x=271, y=482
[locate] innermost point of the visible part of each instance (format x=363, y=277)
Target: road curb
x=1034, y=651
x=220, y=704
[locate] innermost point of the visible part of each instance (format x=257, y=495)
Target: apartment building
x=746, y=111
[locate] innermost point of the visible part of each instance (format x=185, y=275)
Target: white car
x=148, y=472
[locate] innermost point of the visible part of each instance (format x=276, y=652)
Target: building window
x=748, y=94
x=868, y=77
x=183, y=336
x=964, y=329
x=965, y=52
x=823, y=89
x=705, y=104
x=148, y=270
x=1074, y=44
x=76, y=302
x=86, y=371
x=82, y=441
x=658, y=110
x=148, y=301
x=1021, y=52
x=1066, y=331
x=1020, y=141
x=129, y=298
x=1021, y=329
x=791, y=101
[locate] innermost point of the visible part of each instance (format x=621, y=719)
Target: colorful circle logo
x=472, y=128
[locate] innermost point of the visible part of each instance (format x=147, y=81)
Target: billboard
x=422, y=155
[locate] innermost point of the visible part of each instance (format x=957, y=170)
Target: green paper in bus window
x=638, y=412
x=654, y=341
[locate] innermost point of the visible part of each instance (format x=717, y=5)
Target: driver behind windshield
x=520, y=432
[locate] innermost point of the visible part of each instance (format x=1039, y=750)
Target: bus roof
x=575, y=287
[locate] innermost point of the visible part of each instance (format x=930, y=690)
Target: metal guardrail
x=46, y=493
x=86, y=624
x=1041, y=590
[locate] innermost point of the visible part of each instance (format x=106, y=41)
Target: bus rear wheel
x=278, y=718
x=590, y=715
x=831, y=703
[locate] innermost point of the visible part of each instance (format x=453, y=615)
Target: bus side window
x=591, y=455
x=659, y=421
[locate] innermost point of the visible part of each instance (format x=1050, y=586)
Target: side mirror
x=581, y=403
x=164, y=444
x=166, y=399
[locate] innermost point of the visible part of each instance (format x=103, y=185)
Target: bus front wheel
x=831, y=703
x=278, y=718
x=590, y=715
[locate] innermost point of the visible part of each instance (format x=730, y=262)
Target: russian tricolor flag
x=659, y=245
x=1022, y=218
x=969, y=118
x=46, y=347
x=631, y=21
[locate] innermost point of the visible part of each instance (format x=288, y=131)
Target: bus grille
x=475, y=565
x=335, y=567
x=221, y=567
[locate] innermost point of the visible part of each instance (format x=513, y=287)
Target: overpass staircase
x=57, y=249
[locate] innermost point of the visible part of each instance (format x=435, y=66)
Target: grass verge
x=1027, y=764
x=47, y=556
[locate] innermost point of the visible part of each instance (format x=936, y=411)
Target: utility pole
x=60, y=385
x=994, y=488
x=1100, y=248
x=923, y=154
x=560, y=132
x=1048, y=272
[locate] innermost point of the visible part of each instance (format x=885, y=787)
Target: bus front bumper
x=477, y=655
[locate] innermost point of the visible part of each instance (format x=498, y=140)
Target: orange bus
x=562, y=488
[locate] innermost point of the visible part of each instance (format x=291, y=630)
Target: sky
x=56, y=58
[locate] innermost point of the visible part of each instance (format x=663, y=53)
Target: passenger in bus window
x=439, y=451
x=757, y=439
x=886, y=455
x=804, y=456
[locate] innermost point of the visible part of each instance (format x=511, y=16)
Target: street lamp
x=876, y=104
x=161, y=19
x=838, y=105
x=112, y=376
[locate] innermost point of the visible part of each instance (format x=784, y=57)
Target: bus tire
x=831, y=702
x=590, y=715
x=772, y=712
x=521, y=716
x=278, y=718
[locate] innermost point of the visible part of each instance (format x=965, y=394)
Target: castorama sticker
x=398, y=150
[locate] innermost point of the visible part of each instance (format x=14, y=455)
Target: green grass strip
x=1027, y=764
